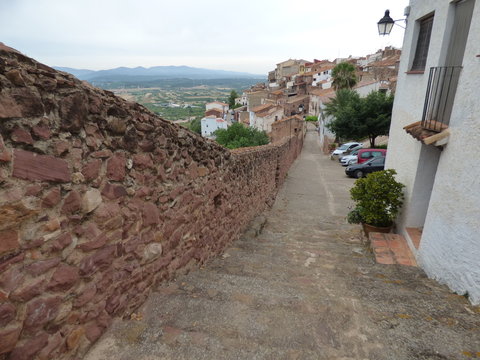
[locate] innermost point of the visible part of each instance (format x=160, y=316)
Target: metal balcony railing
x=441, y=89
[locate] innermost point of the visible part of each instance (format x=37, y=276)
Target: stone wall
x=287, y=127
x=100, y=199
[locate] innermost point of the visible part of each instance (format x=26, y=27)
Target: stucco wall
x=450, y=244
x=100, y=199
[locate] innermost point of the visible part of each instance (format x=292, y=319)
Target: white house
x=263, y=116
x=434, y=140
x=211, y=124
x=217, y=105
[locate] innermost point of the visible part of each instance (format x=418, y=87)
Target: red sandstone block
x=30, y=347
x=116, y=167
x=111, y=191
x=9, y=338
x=52, y=198
x=53, y=343
x=5, y=154
x=9, y=241
x=28, y=292
x=91, y=169
x=42, y=131
x=31, y=166
x=42, y=266
x=61, y=242
x=20, y=135
x=63, y=278
x=7, y=313
x=72, y=203
x=40, y=311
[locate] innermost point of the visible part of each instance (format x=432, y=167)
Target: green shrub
x=378, y=199
x=311, y=118
x=237, y=135
x=383, y=146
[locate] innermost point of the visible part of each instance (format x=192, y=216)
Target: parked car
x=349, y=159
x=367, y=154
x=361, y=170
x=347, y=148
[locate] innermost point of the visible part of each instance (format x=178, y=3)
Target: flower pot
x=367, y=229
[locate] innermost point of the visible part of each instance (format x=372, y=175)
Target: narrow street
x=305, y=288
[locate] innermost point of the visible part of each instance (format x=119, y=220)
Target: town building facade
x=434, y=139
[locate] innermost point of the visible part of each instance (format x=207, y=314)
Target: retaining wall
x=100, y=199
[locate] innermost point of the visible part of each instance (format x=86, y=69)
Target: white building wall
x=210, y=124
x=363, y=91
x=450, y=244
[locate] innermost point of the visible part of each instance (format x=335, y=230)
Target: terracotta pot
x=367, y=229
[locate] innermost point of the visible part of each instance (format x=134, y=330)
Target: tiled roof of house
x=268, y=111
x=297, y=117
x=217, y=102
x=365, y=83
x=323, y=92
x=262, y=107
x=389, y=61
x=294, y=99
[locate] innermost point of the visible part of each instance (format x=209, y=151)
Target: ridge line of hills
x=142, y=74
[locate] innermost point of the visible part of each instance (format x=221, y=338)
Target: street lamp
x=386, y=23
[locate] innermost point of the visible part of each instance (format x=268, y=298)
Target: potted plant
x=378, y=199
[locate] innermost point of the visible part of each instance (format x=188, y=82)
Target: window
x=421, y=52
x=365, y=155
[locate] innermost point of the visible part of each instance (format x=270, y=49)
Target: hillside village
x=300, y=88
x=126, y=235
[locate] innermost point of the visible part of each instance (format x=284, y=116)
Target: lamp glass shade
x=385, y=24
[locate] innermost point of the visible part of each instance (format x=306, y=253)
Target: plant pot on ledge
x=367, y=229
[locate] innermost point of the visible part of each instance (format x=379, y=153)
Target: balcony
x=441, y=89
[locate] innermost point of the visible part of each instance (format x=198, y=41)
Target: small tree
x=195, y=125
x=378, y=198
x=237, y=135
x=358, y=118
x=231, y=99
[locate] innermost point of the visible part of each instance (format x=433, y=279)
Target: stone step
x=391, y=249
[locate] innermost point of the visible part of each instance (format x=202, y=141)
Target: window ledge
x=426, y=136
x=415, y=72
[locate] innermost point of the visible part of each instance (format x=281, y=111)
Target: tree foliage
x=311, y=118
x=231, y=99
x=195, y=125
x=238, y=135
x=358, y=118
x=344, y=76
x=378, y=199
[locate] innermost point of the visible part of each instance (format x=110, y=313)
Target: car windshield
x=354, y=153
x=343, y=147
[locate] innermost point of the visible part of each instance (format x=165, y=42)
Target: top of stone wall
x=44, y=102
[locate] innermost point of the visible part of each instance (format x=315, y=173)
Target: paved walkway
x=305, y=288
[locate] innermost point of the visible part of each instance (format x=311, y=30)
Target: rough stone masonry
x=100, y=199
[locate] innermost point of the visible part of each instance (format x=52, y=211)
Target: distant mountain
x=141, y=74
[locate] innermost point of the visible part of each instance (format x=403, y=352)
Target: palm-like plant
x=344, y=76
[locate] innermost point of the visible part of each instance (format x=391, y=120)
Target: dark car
x=361, y=170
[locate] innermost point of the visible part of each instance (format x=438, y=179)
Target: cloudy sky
x=246, y=35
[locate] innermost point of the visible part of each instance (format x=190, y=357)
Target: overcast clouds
x=247, y=35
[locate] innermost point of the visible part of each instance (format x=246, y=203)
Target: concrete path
x=305, y=288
